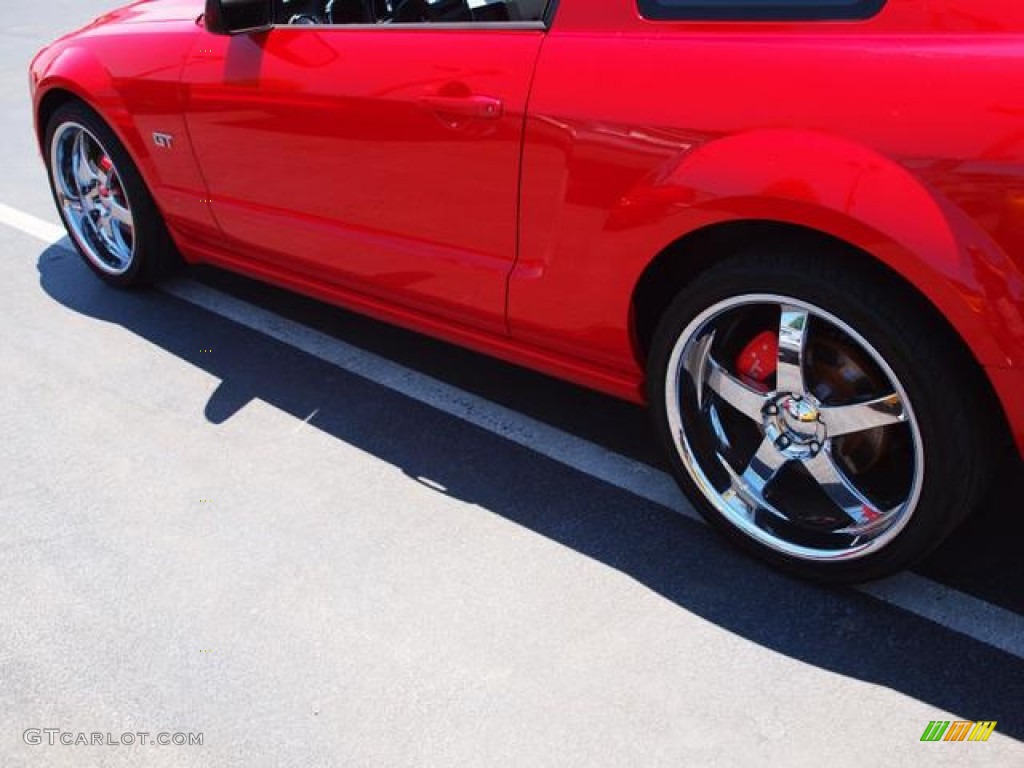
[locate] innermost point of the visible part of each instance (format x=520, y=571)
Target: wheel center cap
x=800, y=415
x=793, y=423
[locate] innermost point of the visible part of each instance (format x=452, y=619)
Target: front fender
x=77, y=71
x=131, y=76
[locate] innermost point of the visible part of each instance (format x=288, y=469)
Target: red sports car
x=794, y=227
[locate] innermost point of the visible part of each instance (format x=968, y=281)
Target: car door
x=380, y=158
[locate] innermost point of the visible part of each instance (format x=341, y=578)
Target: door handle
x=482, y=107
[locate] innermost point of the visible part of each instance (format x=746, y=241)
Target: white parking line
x=915, y=594
x=31, y=225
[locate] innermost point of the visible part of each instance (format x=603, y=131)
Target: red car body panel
x=367, y=166
x=369, y=176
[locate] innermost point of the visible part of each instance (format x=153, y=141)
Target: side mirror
x=236, y=17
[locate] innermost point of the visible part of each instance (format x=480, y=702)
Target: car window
x=408, y=11
x=759, y=10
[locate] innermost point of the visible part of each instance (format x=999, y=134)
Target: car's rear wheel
x=818, y=417
x=106, y=207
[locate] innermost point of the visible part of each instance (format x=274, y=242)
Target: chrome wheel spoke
x=93, y=199
x=84, y=172
x=106, y=227
x=90, y=225
x=789, y=375
x=73, y=207
x=847, y=419
x=744, y=399
x=68, y=190
x=750, y=485
x=121, y=215
x=843, y=493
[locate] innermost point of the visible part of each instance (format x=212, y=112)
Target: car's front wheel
x=818, y=416
x=103, y=200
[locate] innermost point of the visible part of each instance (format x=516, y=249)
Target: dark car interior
x=408, y=11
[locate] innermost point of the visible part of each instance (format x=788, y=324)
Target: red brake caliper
x=106, y=166
x=756, y=363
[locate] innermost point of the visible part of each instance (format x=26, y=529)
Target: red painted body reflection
x=507, y=188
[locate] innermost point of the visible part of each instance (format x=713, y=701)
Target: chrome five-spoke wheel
x=794, y=427
x=819, y=413
x=92, y=197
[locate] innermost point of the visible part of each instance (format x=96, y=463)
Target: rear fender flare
x=843, y=189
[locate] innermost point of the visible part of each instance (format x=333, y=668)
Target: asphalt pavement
x=317, y=540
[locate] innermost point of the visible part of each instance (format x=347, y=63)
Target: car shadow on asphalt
x=838, y=630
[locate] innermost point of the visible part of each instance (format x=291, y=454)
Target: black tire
x=153, y=253
x=959, y=434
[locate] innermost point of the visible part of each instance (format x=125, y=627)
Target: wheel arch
x=51, y=101
x=685, y=259
x=75, y=74
x=809, y=190
x=801, y=184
